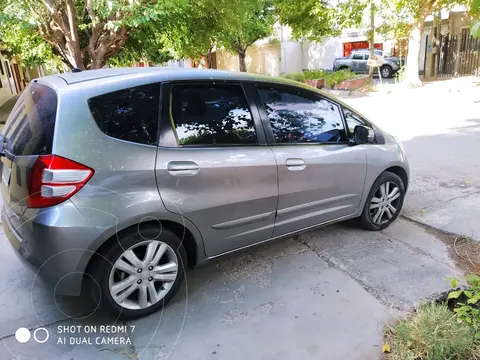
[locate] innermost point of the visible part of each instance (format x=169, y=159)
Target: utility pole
x=372, y=35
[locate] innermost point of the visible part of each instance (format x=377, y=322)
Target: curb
x=430, y=227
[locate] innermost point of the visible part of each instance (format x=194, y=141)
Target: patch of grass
x=431, y=333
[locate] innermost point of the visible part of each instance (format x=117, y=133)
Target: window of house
x=297, y=116
x=1, y=68
x=8, y=69
x=129, y=114
x=465, y=39
x=211, y=114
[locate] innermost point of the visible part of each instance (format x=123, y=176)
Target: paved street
x=439, y=125
x=323, y=295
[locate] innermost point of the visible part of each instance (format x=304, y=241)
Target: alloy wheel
x=143, y=275
x=384, y=203
x=385, y=72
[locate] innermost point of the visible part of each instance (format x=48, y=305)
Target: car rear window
x=129, y=114
x=29, y=128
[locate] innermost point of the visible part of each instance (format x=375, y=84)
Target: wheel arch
x=401, y=172
x=374, y=173
x=184, y=229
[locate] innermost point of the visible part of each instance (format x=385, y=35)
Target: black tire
x=366, y=220
x=100, y=272
x=343, y=68
x=386, y=71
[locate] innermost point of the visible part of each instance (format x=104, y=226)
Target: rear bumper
x=52, y=242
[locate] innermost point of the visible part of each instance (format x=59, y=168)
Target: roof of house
x=446, y=13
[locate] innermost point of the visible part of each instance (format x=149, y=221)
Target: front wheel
x=384, y=202
x=140, y=272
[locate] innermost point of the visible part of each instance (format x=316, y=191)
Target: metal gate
x=459, y=59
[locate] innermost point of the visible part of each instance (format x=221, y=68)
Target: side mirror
x=363, y=135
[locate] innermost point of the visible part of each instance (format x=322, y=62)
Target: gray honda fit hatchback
x=129, y=176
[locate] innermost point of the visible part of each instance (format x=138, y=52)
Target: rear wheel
x=386, y=71
x=139, y=273
x=384, y=202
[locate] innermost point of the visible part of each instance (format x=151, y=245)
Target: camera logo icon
x=40, y=335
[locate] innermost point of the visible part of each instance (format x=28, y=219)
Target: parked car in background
x=357, y=62
x=128, y=176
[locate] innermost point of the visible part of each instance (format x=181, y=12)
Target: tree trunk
x=412, y=77
x=241, y=61
x=73, y=41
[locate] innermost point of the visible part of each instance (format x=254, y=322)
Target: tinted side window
x=212, y=115
x=129, y=114
x=301, y=117
x=358, y=56
x=353, y=120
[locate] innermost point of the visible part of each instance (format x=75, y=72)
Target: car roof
x=165, y=73
x=367, y=50
x=63, y=80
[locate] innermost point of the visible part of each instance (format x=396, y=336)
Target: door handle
x=183, y=168
x=295, y=164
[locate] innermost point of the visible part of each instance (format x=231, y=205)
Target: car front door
x=214, y=166
x=321, y=175
x=363, y=66
x=357, y=61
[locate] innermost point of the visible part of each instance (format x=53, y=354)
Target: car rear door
x=321, y=175
x=213, y=164
x=27, y=134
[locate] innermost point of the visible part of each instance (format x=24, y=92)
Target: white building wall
x=321, y=55
x=291, y=56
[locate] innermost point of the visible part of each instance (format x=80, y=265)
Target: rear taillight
x=54, y=179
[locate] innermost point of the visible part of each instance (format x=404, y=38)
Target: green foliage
x=313, y=19
x=97, y=30
x=394, y=24
x=431, y=333
x=400, y=74
x=145, y=43
x=19, y=38
x=475, y=29
x=337, y=77
x=331, y=78
x=244, y=22
x=194, y=30
x=468, y=311
x=300, y=77
x=475, y=11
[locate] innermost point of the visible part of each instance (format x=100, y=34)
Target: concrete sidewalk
x=325, y=294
